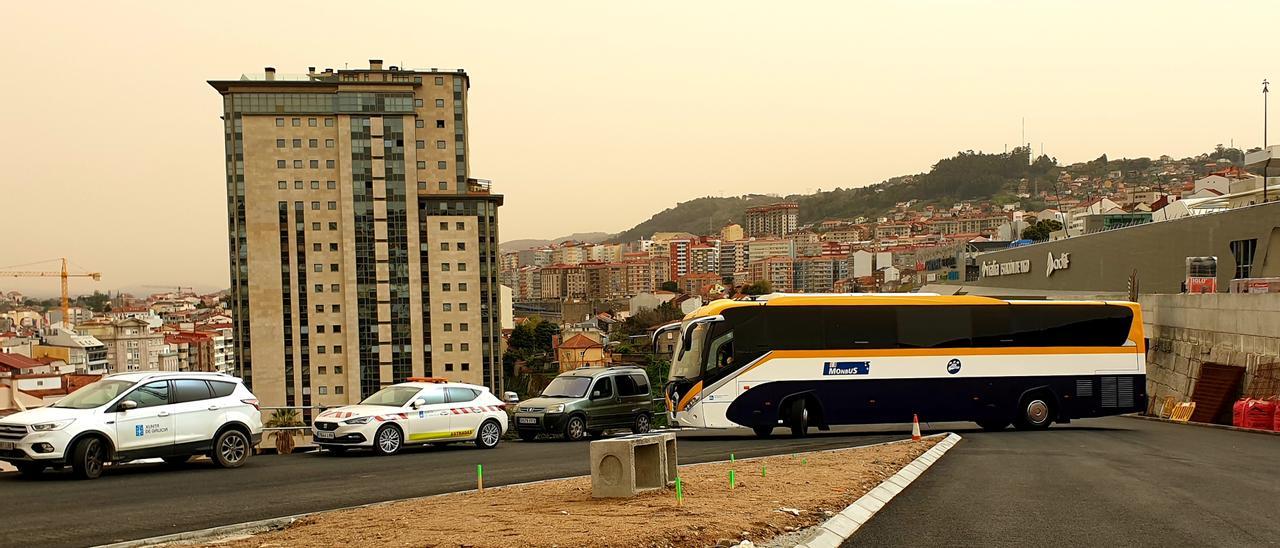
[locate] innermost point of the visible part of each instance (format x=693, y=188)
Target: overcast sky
x=595, y=115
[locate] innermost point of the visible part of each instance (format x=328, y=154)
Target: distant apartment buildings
x=362, y=252
x=773, y=220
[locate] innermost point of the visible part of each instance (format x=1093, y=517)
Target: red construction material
x=1237, y=411
x=1260, y=414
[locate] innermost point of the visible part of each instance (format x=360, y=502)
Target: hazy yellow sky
x=595, y=115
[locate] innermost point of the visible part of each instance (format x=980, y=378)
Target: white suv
x=129, y=416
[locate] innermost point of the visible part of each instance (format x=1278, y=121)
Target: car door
x=604, y=403
x=149, y=427
x=196, y=416
x=430, y=421
x=464, y=416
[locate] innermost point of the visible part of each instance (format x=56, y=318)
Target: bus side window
x=993, y=326
x=860, y=327
x=933, y=326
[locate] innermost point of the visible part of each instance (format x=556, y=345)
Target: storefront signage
x=993, y=268
x=1061, y=263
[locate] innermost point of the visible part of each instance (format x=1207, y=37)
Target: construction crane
x=66, y=299
x=179, y=291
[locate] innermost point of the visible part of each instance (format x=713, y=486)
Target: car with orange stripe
x=421, y=411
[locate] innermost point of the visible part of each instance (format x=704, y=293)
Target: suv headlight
x=358, y=420
x=51, y=426
x=557, y=408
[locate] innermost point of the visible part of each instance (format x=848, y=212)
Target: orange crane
x=66, y=299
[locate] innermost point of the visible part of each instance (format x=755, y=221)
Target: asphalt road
x=144, y=500
x=1106, y=482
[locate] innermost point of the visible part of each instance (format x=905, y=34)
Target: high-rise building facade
x=773, y=220
x=362, y=252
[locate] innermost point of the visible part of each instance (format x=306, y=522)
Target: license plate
x=527, y=420
x=324, y=435
x=6, y=445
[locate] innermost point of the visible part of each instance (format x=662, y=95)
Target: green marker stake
x=679, y=491
x=732, y=483
x=762, y=471
x=804, y=461
x=480, y=477
x=731, y=459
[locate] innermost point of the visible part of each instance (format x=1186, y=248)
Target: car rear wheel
x=641, y=424
x=575, y=428
x=30, y=469
x=488, y=435
x=87, y=458
x=388, y=440
x=231, y=449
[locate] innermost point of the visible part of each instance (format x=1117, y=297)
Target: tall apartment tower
x=361, y=251
x=773, y=220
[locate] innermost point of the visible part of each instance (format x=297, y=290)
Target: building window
x=1244, y=251
x=282, y=184
x=297, y=143
x=315, y=226
x=444, y=226
x=446, y=286
x=466, y=366
x=297, y=164
x=329, y=164
x=337, y=349
x=460, y=225
x=337, y=329
x=279, y=143
x=316, y=247
x=462, y=307
x=280, y=164
x=444, y=185
x=439, y=124
x=333, y=267
x=333, y=225
x=332, y=206
x=465, y=347
x=462, y=286
x=322, y=370
x=440, y=145
x=319, y=288
x=444, y=246
x=331, y=184
x=420, y=123
x=335, y=308
x=448, y=347
x=417, y=103
x=442, y=164
x=444, y=267
x=448, y=367
x=313, y=143
x=337, y=389
x=328, y=143
x=462, y=267
x=315, y=185
x=439, y=103
x=319, y=308
x=422, y=164
x=297, y=122
x=315, y=164
x=439, y=80
x=311, y=122
x=328, y=122
x=420, y=144
x=320, y=349
x=324, y=390
x=333, y=246
x=279, y=122
x=446, y=307
x=463, y=326
x=315, y=206
x=448, y=327
x=462, y=246
x=317, y=267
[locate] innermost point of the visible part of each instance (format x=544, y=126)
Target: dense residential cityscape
x=828, y=275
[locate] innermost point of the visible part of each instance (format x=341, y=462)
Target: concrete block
x=882, y=493
x=856, y=513
x=630, y=465
x=841, y=525
x=870, y=503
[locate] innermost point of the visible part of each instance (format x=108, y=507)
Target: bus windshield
x=688, y=359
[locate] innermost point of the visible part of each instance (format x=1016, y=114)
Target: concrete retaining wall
x=1184, y=331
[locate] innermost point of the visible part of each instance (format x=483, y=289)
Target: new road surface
x=1113, y=481
x=1107, y=482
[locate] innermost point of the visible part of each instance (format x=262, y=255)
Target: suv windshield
x=94, y=395
x=567, y=387
x=394, y=396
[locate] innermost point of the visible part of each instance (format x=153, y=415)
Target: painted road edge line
x=833, y=532
x=271, y=524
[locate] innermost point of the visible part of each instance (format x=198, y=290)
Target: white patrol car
x=129, y=416
x=423, y=410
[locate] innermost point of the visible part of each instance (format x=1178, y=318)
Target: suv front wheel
x=88, y=457
x=231, y=449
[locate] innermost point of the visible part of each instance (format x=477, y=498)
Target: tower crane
x=66, y=300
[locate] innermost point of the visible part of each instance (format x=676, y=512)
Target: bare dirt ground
x=562, y=512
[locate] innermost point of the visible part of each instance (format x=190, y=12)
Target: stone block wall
x=1185, y=330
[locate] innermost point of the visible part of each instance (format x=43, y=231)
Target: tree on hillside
x=1040, y=231
x=530, y=342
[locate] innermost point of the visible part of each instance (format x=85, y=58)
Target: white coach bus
x=801, y=361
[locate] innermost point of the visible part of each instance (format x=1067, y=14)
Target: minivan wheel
x=387, y=440
x=575, y=428
x=488, y=435
x=231, y=449
x=641, y=424
x=88, y=458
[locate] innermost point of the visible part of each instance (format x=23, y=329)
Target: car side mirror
x=511, y=397
x=127, y=405
x=595, y=395
x=418, y=403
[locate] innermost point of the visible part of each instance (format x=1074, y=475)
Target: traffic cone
x=915, y=427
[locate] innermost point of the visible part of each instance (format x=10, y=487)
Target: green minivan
x=588, y=400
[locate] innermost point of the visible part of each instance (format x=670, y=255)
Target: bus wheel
x=763, y=431
x=1035, y=413
x=993, y=425
x=799, y=418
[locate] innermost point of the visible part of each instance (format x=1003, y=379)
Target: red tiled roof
x=18, y=362
x=580, y=341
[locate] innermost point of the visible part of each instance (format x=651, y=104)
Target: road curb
x=272, y=524
x=1204, y=425
x=843, y=525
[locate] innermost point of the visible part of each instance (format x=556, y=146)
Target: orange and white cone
x=915, y=427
